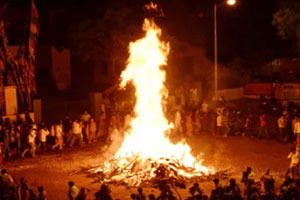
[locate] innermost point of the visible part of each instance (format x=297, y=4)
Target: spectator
x=43, y=134
x=297, y=128
x=76, y=133
x=31, y=142
x=59, y=137
x=281, y=126
x=92, y=128
x=32, y=195
x=52, y=136
x=103, y=193
x=18, y=132
x=189, y=124
x=219, y=124
x=178, y=123
x=140, y=195
x=7, y=178
x=23, y=189
x=4, y=189
x=102, y=125
x=248, y=175
x=85, y=117
x=13, y=195
x=42, y=195
x=263, y=131
x=82, y=194
x=294, y=157
x=73, y=191
x=6, y=146
x=67, y=129
x=225, y=124
x=249, y=129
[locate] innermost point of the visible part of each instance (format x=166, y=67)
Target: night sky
x=245, y=31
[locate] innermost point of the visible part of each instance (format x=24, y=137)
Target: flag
x=34, y=32
x=3, y=60
x=32, y=43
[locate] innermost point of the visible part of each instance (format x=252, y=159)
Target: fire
x=146, y=142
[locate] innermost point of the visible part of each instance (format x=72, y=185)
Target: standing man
x=177, y=124
x=92, y=130
x=76, y=133
x=225, y=123
x=59, y=137
x=31, y=142
x=219, y=124
x=297, y=128
x=73, y=191
x=43, y=134
x=281, y=127
x=263, y=131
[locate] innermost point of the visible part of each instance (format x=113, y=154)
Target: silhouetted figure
x=103, y=193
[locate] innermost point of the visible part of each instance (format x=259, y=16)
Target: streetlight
x=230, y=3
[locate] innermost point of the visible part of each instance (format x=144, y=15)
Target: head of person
x=232, y=181
x=71, y=183
x=293, y=149
x=140, y=190
x=40, y=189
x=216, y=181
x=249, y=169
x=34, y=126
x=3, y=171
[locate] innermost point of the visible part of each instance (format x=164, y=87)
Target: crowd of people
x=26, y=138
x=250, y=187
x=269, y=120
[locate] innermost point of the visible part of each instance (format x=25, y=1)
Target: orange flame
x=147, y=138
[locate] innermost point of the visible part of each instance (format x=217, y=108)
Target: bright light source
x=231, y=2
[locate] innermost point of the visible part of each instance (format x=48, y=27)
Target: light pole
x=230, y=3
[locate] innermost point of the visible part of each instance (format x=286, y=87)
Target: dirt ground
x=54, y=170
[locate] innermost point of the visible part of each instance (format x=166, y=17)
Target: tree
x=287, y=21
x=108, y=36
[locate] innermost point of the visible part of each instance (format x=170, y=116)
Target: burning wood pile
x=136, y=173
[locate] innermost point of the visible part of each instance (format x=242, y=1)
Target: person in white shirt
x=219, y=124
x=59, y=137
x=281, y=127
x=297, y=129
x=31, y=141
x=43, y=134
x=178, y=124
x=76, y=133
x=294, y=157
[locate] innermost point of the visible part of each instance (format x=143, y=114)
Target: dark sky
x=245, y=30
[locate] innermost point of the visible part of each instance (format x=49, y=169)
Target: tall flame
x=147, y=138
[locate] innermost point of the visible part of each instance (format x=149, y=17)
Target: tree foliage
x=105, y=37
x=287, y=20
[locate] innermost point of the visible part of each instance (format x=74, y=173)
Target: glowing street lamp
x=230, y=3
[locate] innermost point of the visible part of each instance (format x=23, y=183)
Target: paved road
x=53, y=170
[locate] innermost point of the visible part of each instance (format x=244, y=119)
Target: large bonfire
x=146, y=148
